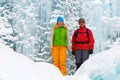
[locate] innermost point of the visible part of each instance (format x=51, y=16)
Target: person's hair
x=81, y=20
x=56, y=26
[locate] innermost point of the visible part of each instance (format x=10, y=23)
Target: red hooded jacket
x=82, y=37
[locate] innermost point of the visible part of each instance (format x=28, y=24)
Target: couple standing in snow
x=82, y=44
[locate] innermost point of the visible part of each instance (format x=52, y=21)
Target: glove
x=90, y=51
x=73, y=53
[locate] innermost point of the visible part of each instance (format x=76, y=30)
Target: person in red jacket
x=82, y=43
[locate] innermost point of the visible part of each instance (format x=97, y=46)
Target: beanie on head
x=60, y=19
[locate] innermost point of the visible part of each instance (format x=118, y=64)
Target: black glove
x=73, y=53
x=90, y=51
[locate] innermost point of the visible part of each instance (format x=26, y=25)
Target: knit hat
x=60, y=19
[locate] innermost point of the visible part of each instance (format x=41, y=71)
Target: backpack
x=81, y=32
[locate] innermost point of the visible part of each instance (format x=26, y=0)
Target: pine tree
x=6, y=26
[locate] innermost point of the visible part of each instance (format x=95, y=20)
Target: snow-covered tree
x=26, y=27
x=6, y=28
x=42, y=45
x=113, y=33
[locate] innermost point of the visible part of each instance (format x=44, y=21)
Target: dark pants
x=81, y=56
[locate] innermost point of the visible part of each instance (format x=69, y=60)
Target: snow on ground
x=102, y=66
x=15, y=66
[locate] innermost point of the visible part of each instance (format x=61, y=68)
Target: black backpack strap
x=87, y=34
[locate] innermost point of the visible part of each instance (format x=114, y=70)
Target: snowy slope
x=102, y=66
x=14, y=66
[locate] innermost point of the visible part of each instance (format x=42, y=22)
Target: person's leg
x=55, y=56
x=78, y=57
x=85, y=55
x=63, y=56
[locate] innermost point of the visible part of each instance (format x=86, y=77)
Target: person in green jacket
x=59, y=43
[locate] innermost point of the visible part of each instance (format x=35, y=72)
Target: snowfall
x=101, y=66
